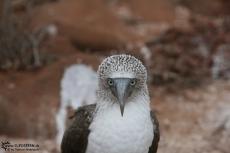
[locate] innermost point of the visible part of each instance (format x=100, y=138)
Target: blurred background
x=50, y=51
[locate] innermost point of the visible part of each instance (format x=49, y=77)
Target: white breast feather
x=112, y=133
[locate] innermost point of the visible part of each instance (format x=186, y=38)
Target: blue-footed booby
x=121, y=121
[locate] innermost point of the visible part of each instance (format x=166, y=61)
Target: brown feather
x=75, y=138
x=153, y=148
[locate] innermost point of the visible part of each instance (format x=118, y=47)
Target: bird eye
x=133, y=82
x=110, y=82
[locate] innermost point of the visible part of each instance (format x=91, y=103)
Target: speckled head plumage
x=122, y=78
x=122, y=65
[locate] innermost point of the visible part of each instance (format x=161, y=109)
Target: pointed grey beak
x=121, y=90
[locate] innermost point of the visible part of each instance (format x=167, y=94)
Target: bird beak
x=121, y=90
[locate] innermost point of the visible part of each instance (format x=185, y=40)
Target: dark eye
x=133, y=82
x=110, y=82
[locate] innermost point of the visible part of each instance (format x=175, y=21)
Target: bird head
x=121, y=78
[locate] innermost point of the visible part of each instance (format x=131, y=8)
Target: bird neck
x=139, y=103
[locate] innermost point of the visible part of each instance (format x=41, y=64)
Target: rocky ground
x=184, y=46
x=195, y=121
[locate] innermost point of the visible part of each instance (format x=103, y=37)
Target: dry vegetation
x=19, y=46
x=186, y=56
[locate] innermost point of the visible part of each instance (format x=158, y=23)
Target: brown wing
x=75, y=138
x=153, y=148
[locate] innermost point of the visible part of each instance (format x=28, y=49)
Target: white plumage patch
x=112, y=133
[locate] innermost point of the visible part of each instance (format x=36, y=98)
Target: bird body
x=121, y=121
